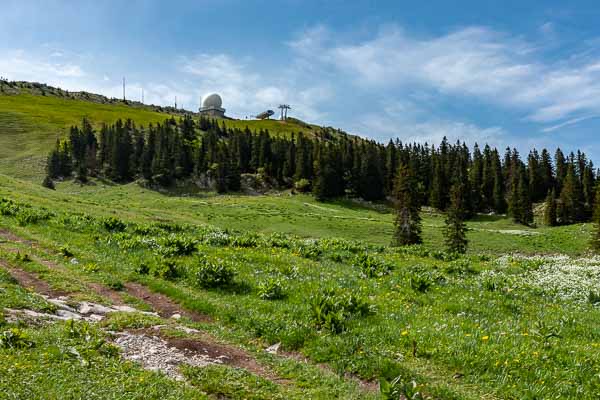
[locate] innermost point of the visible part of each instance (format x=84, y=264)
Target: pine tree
x=455, y=228
x=437, y=197
x=519, y=204
x=571, y=204
x=595, y=242
x=53, y=168
x=525, y=203
x=550, y=211
x=407, y=207
x=498, y=200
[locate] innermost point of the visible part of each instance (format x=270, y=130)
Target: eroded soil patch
x=163, y=305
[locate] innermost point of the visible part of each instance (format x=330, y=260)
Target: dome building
x=211, y=106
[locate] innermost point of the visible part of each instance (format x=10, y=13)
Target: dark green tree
x=455, y=236
x=407, y=208
x=550, y=209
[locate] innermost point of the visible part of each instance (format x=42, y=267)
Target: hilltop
x=34, y=115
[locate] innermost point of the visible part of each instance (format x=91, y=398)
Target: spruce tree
x=455, y=229
x=595, y=242
x=571, y=198
x=525, y=204
x=550, y=211
x=407, y=207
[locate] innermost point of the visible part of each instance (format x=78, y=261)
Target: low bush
x=15, y=338
x=65, y=252
x=166, y=269
x=421, y=281
x=310, y=251
x=332, y=309
x=271, y=289
x=245, y=240
x=22, y=257
x=302, y=185
x=371, y=267
x=177, y=245
x=113, y=224
x=142, y=269
x=115, y=284
x=210, y=274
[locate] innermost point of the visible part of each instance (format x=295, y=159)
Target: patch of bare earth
x=163, y=305
x=30, y=281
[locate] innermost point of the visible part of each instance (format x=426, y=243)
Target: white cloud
x=246, y=93
x=17, y=64
x=475, y=62
x=411, y=123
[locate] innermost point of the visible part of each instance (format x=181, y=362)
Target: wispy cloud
x=569, y=122
x=246, y=92
x=477, y=62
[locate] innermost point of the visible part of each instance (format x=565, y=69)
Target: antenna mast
x=123, y=88
x=142, y=95
x=284, y=109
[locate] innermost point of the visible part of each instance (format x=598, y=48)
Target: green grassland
x=464, y=328
x=30, y=125
x=509, y=320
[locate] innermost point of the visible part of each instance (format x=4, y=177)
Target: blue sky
x=518, y=73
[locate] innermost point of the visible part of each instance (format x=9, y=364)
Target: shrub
x=213, y=274
x=65, y=252
x=271, y=289
x=166, y=269
x=177, y=245
x=371, y=267
x=302, y=185
x=310, y=251
x=459, y=267
x=22, y=257
x=279, y=240
x=399, y=388
x=245, y=240
x=15, y=339
x=113, y=224
x=115, y=284
x=331, y=309
x=48, y=183
x=420, y=281
x=77, y=330
x=28, y=216
x=142, y=269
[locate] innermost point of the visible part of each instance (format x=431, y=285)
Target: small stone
x=273, y=349
x=176, y=316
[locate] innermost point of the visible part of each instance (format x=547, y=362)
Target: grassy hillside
x=299, y=215
x=482, y=326
x=292, y=298
x=30, y=124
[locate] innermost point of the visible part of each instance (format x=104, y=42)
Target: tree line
x=331, y=164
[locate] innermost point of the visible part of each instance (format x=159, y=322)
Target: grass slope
x=298, y=214
x=468, y=328
x=30, y=125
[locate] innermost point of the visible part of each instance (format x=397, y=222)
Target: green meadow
x=353, y=318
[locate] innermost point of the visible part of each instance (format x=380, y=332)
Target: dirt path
x=163, y=305
x=201, y=343
x=30, y=281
